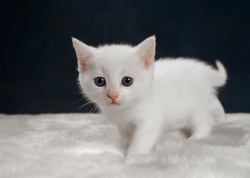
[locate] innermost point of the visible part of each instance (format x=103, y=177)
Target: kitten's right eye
x=100, y=81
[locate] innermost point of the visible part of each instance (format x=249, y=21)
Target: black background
x=38, y=64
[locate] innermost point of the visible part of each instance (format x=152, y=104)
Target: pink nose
x=113, y=96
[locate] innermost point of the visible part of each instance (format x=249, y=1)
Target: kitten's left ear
x=146, y=51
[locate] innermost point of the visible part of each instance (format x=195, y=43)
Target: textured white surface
x=86, y=145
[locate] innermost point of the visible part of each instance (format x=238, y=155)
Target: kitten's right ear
x=83, y=53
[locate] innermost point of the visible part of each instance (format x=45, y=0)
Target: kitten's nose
x=113, y=96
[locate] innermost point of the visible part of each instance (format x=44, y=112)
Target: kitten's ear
x=83, y=53
x=146, y=51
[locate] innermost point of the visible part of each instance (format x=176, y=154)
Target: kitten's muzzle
x=113, y=97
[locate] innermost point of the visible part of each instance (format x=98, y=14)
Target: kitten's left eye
x=127, y=81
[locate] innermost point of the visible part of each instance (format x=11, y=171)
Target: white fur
x=166, y=94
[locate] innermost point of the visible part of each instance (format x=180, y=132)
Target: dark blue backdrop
x=38, y=64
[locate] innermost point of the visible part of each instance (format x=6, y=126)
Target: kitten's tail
x=220, y=77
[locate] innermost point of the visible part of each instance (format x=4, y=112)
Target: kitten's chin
x=114, y=105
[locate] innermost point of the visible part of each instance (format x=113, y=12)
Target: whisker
x=94, y=108
x=82, y=106
x=89, y=105
x=76, y=102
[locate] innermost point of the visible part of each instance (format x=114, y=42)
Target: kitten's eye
x=100, y=81
x=127, y=81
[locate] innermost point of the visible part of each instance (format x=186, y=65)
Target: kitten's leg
x=125, y=139
x=218, y=111
x=145, y=137
x=126, y=132
x=200, y=125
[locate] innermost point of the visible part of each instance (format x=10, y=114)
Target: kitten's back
x=190, y=70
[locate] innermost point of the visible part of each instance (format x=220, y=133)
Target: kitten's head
x=115, y=76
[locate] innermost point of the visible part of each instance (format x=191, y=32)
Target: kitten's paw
x=199, y=134
x=200, y=129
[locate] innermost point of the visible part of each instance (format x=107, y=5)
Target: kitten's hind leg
x=217, y=111
x=200, y=125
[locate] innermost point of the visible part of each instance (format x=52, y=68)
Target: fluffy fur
x=166, y=94
x=85, y=146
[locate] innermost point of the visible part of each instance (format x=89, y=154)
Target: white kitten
x=144, y=97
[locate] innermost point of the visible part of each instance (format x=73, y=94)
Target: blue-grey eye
x=100, y=81
x=127, y=81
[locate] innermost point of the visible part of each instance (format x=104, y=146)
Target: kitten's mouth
x=113, y=103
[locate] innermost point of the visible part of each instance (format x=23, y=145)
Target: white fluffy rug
x=86, y=145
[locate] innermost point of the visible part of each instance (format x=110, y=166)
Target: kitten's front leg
x=126, y=132
x=145, y=138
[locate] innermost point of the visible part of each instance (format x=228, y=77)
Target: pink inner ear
x=83, y=63
x=83, y=53
x=83, y=60
x=147, y=60
x=146, y=51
